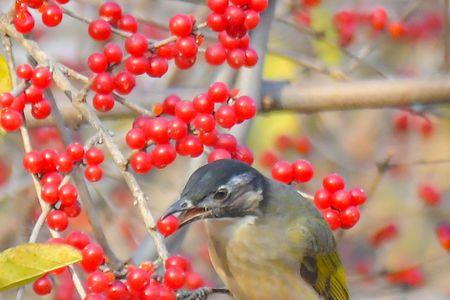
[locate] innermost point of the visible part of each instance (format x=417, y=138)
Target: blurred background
x=400, y=156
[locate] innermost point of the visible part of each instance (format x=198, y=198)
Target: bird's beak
x=186, y=211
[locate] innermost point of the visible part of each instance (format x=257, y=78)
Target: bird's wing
x=320, y=264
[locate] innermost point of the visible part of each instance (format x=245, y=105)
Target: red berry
x=311, y=3
x=303, y=170
x=217, y=6
x=174, y=278
x=180, y=25
x=68, y=194
x=185, y=111
x=113, y=53
x=97, y=282
x=6, y=99
x=23, y=21
x=51, y=178
x=349, y=217
x=251, y=57
x=184, y=63
x=383, y=234
x=208, y=138
x=128, y=23
x=57, y=220
x=204, y=122
x=42, y=77
x=18, y=103
x=99, y=30
x=93, y=173
x=141, y=162
x=64, y=163
x=103, y=83
x=138, y=279
x=177, y=129
x=331, y=216
x=218, y=92
x=236, y=58
x=244, y=154
x=118, y=291
x=379, y=18
x=443, y=233
x=24, y=71
x=73, y=210
x=158, y=131
x=157, y=66
x=216, y=22
x=92, y=257
x=251, y=19
x=110, y=11
x=322, y=199
x=166, y=294
x=218, y=154
x=282, y=171
x=94, y=156
x=194, y=281
x=397, y=29
x=124, y=82
x=76, y=151
x=97, y=62
x=33, y=162
x=245, y=107
x=33, y=94
x=137, y=44
x=168, y=225
x=135, y=138
x=49, y=156
x=226, y=116
x=333, y=182
x=41, y=109
x=215, y=55
x=103, y=102
x=178, y=261
x=227, y=41
x=430, y=194
x=186, y=46
x=163, y=155
x=77, y=239
x=52, y=15
x=189, y=145
x=226, y=141
x=49, y=193
x=340, y=200
x=43, y=286
x=259, y=5
x=170, y=103
x=357, y=196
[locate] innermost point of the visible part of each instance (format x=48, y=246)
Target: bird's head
x=222, y=189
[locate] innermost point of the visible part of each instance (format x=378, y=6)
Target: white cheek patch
x=249, y=199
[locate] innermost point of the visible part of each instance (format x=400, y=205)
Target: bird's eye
x=221, y=194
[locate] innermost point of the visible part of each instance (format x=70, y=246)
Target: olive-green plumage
x=279, y=247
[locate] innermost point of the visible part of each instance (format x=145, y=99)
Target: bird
x=265, y=240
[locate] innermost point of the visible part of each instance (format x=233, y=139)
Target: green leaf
x=26, y=263
x=5, y=77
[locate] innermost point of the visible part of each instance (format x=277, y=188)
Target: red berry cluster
x=339, y=207
x=413, y=277
x=405, y=121
x=12, y=108
x=284, y=143
x=51, y=14
x=232, y=21
x=300, y=171
x=185, y=127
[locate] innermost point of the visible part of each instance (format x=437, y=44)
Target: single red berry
x=113, y=53
x=157, y=66
x=311, y=3
x=34, y=3
x=236, y=58
x=41, y=109
x=226, y=116
x=103, y=83
x=251, y=57
x=202, y=104
x=135, y=138
x=204, y=122
x=178, y=129
x=183, y=62
x=184, y=110
x=244, y=154
x=349, y=217
x=217, y=6
x=340, y=199
x=186, y=46
x=303, y=170
x=6, y=99
x=169, y=104
x=68, y=194
x=138, y=279
x=100, y=30
x=92, y=257
x=357, y=196
x=118, y=291
x=77, y=239
x=73, y=210
x=33, y=94
x=51, y=178
x=137, y=44
x=49, y=156
x=76, y=151
x=282, y=171
x=124, y=82
x=218, y=154
x=217, y=22
x=443, y=233
x=141, y=162
x=174, y=278
x=397, y=29
x=23, y=21
x=64, y=163
x=178, y=261
x=331, y=216
x=383, y=234
x=33, y=162
x=128, y=23
x=24, y=71
x=333, y=182
x=57, y=220
x=110, y=11
x=97, y=282
x=226, y=141
x=218, y=92
x=49, y=193
x=189, y=146
x=180, y=25
x=97, y=62
x=163, y=155
x=42, y=77
x=43, y=286
x=322, y=199
x=103, y=102
x=245, y=107
x=215, y=55
x=52, y=15
x=429, y=194
x=227, y=41
x=168, y=225
x=93, y=173
x=251, y=19
x=378, y=18
x=94, y=156
x=194, y=281
x=208, y=138
x=18, y=103
x=259, y=5
x=158, y=131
